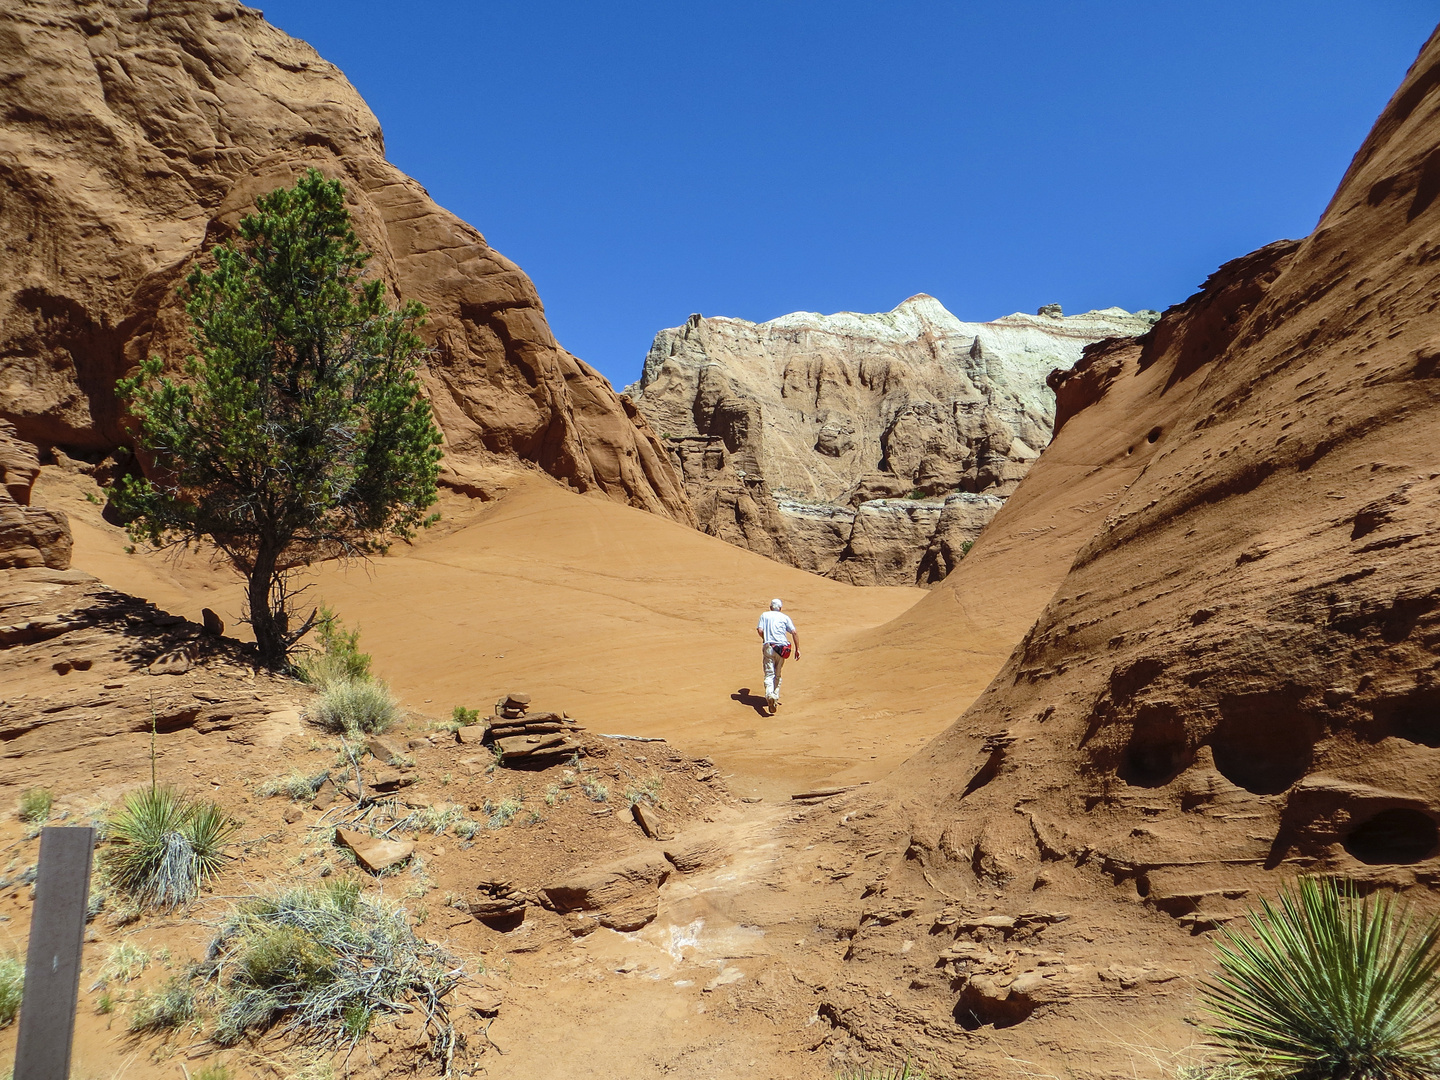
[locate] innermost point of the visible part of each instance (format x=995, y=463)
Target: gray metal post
x=52, y=966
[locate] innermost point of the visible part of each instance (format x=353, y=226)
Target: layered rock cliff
x=135, y=136
x=1233, y=670
x=869, y=448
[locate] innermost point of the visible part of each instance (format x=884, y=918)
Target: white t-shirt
x=774, y=624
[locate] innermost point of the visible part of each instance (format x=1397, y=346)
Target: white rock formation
x=838, y=442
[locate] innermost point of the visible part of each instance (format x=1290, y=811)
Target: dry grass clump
x=35, y=805
x=163, y=845
x=171, y=1006
x=319, y=961
x=12, y=988
x=355, y=706
x=903, y=1072
x=296, y=785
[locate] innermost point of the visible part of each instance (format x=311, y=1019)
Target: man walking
x=776, y=634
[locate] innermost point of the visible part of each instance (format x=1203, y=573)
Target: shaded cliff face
x=869, y=448
x=136, y=136
x=1237, y=675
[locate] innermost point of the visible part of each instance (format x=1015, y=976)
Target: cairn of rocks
x=525, y=737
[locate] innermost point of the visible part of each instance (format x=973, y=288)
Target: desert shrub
x=213, y=1072
x=338, y=657
x=296, y=785
x=320, y=960
x=171, y=1006
x=12, y=987
x=35, y=805
x=460, y=716
x=467, y=828
x=355, y=706
x=164, y=845
x=965, y=546
x=1327, y=986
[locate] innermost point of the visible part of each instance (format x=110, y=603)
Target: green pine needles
x=1330, y=987
x=163, y=846
x=300, y=431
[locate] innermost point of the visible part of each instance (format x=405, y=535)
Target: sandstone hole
x=1415, y=716
x=1158, y=750
x=1394, y=836
x=975, y=1009
x=1263, y=742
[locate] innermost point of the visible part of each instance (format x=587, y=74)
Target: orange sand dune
x=632, y=622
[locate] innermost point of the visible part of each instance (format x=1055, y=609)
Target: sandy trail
x=634, y=623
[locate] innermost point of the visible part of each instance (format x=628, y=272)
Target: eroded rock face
x=1236, y=677
x=30, y=536
x=841, y=443
x=137, y=134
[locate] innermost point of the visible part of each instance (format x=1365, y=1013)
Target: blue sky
x=644, y=160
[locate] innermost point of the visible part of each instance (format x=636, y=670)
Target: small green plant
x=463, y=717
x=213, y=1072
x=556, y=794
x=355, y=706
x=35, y=805
x=296, y=785
x=171, y=1006
x=965, y=546
x=594, y=790
x=319, y=960
x=466, y=828
x=163, y=846
x=105, y=1003
x=12, y=988
x=502, y=812
x=647, y=791
x=1328, y=986
x=338, y=657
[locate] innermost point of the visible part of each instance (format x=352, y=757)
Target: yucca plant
x=164, y=845
x=1329, y=986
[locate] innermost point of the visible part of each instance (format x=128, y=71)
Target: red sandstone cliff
x=134, y=137
x=1233, y=671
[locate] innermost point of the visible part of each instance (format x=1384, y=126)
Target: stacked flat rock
x=521, y=735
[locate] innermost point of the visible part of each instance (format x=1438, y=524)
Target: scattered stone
x=419, y=744
x=293, y=814
x=482, y=999
x=385, y=749
x=174, y=663
x=470, y=734
x=371, y=852
x=650, y=822
x=390, y=780
x=499, y=899
x=214, y=625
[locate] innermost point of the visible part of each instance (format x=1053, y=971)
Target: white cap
x=775, y=604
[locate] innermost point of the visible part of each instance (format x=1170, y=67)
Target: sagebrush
x=355, y=706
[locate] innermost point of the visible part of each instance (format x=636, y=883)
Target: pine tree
x=299, y=431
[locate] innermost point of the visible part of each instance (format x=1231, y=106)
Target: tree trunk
x=269, y=630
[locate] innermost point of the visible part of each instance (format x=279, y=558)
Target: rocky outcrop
x=1236, y=677
x=30, y=536
x=135, y=137
x=869, y=448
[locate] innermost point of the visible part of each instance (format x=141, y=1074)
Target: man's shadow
x=745, y=697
